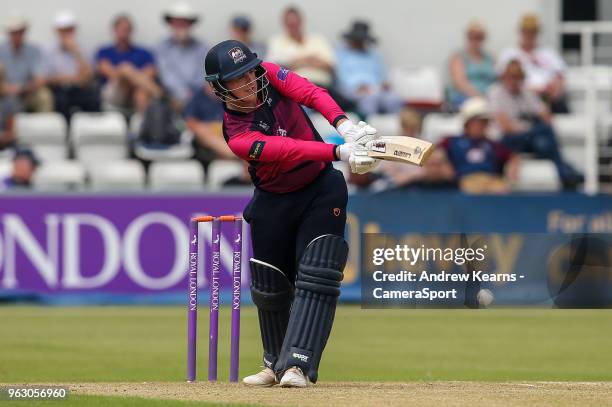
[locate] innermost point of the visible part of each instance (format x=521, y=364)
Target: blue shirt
x=469, y=156
x=358, y=67
x=204, y=108
x=137, y=56
x=181, y=67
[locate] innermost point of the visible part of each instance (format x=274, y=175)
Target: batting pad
x=316, y=293
x=272, y=293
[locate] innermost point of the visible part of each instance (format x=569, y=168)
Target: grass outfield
x=148, y=344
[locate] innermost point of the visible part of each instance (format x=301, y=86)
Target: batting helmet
x=230, y=60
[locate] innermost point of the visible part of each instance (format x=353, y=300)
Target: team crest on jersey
x=282, y=74
x=237, y=55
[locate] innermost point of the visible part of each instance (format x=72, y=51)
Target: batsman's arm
x=304, y=92
x=256, y=146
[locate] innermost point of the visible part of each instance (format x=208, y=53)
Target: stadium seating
x=5, y=168
x=537, y=175
x=134, y=124
x=579, y=77
x=570, y=129
x=386, y=124
x=436, y=126
x=60, y=175
x=99, y=136
x=45, y=133
x=176, y=175
x=117, y=175
x=419, y=86
x=220, y=171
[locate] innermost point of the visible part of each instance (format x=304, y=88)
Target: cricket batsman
x=298, y=210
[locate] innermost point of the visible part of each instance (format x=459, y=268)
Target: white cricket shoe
x=294, y=377
x=265, y=378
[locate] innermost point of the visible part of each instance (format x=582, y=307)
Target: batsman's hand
x=359, y=133
x=357, y=157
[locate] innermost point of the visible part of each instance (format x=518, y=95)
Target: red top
x=284, y=150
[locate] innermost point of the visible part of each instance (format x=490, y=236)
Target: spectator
x=436, y=173
x=180, y=57
x=204, y=116
x=24, y=69
x=360, y=73
x=471, y=70
x=544, y=67
x=127, y=71
x=69, y=73
x=24, y=165
x=240, y=29
x=8, y=108
x=525, y=122
x=309, y=55
x=482, y=165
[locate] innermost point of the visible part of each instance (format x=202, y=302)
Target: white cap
x=64, y=19
x=15, y=22
x=181, y=10
x=475, y=107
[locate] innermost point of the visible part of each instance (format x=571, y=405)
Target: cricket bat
x=399, y=148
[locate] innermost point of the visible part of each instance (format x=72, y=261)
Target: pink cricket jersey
x=284, y=150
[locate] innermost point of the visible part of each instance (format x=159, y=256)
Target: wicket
x=214, y=280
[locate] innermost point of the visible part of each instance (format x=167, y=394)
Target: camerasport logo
x=237, y=55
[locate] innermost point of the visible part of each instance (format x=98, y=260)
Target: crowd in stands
x=512, y=95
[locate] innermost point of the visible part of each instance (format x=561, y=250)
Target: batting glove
x=357, y=157
x=359, y=133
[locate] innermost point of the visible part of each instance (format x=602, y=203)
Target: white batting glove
x=357, y=133
x=357, y=157
x=371, y=132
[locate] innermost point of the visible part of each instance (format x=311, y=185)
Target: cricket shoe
x=294, y=377
x=265, y=378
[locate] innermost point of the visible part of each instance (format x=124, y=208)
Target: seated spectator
x=471, y=70
x=69, y=73
x=543, y=66
x=127, y=71
x=360, y=73
x=309, y=55
x=436, y=173
x=180, y=56
x=525, y=122
x=23, y=67
x=24, y=165
x=241, y=29
x=8, y=108
x=204, y=116
x=482, y=165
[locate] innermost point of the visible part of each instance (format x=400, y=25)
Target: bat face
x=403, y=149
